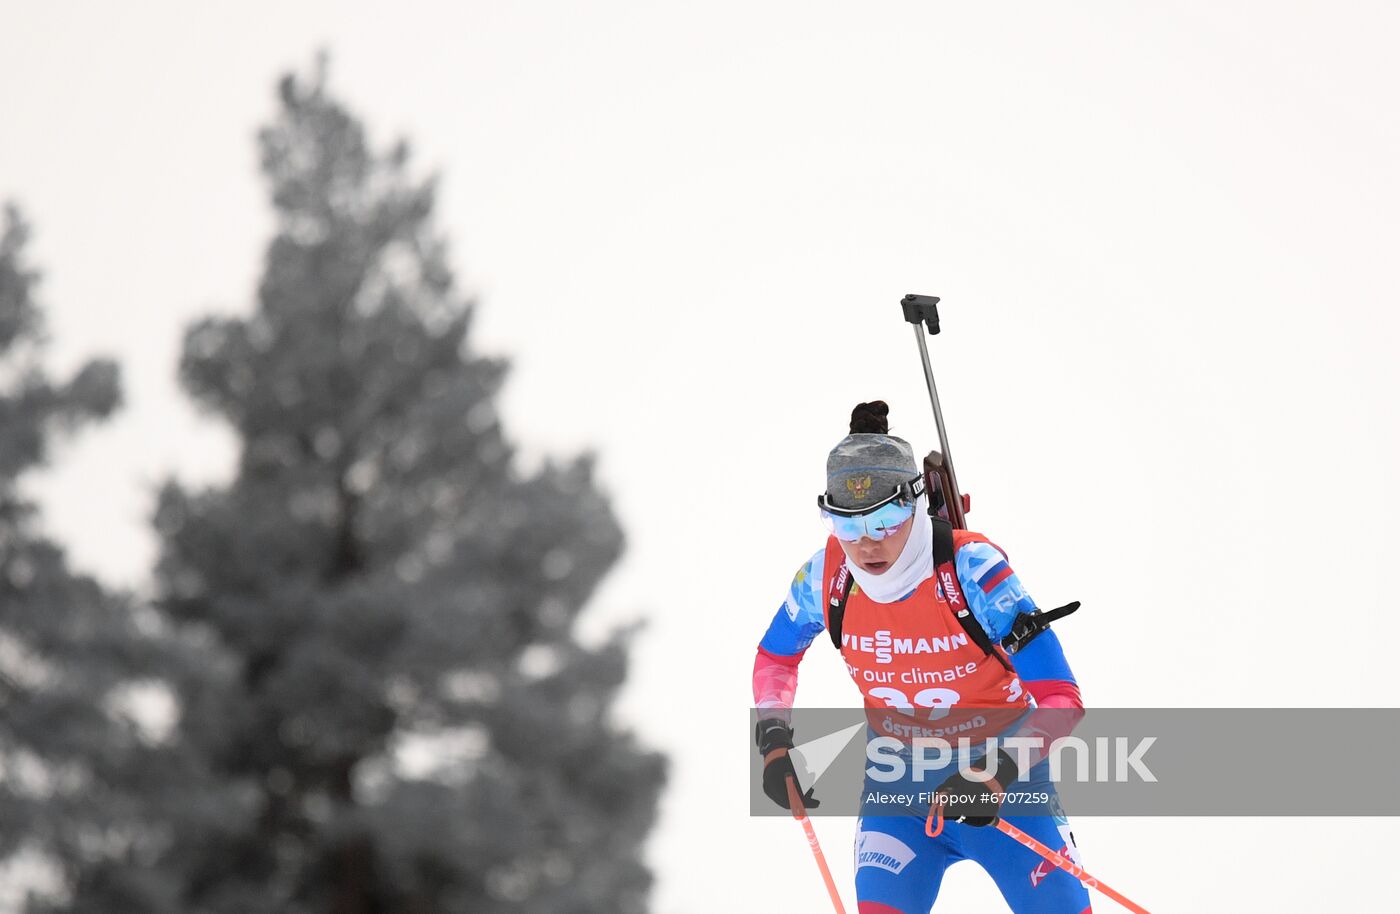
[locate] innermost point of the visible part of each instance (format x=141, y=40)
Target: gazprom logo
x=878, y=849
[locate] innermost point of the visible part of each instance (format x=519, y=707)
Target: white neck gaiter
x=912, y=568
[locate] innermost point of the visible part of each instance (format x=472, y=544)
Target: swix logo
x=949, y=586
x=884, y=646
x=838, y=585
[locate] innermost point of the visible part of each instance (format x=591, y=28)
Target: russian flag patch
x=994, y=576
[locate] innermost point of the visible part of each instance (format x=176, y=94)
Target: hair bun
x=871, y=418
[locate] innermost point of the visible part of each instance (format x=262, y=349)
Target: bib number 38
x=938, y=701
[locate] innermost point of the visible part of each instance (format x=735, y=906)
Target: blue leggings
x=899, y=868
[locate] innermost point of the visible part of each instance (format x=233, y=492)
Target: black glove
x=774, y=738
x=977, y=802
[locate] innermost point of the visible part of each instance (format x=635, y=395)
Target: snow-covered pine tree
x=420, y=726
x=87, y=778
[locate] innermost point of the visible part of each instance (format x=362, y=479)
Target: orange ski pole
x=799, y=812
x=1050, y=856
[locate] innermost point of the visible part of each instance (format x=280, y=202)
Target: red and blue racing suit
x=898, y=867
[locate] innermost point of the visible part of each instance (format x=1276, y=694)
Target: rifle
x=946, y=500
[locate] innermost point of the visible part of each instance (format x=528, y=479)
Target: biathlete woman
x=906, y=649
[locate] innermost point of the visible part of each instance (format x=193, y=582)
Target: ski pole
x=799, y=812
x=1050, y=856
x=923, y=309
x=1069, y=866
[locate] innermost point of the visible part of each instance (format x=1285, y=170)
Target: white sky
x=1164, y=235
